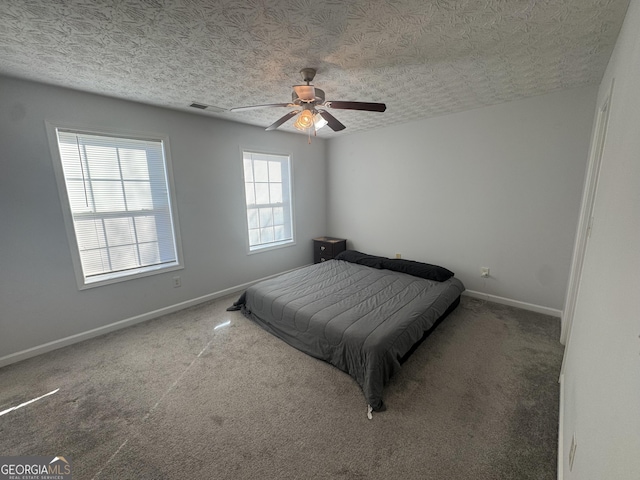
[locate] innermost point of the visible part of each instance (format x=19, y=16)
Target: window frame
x=87, y=282
x=275, y=245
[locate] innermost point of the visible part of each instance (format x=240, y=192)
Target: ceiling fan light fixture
x=304, y=121
x=319, y=121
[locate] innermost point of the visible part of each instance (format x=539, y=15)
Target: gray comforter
x=360, y=319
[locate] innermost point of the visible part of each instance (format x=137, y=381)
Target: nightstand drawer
x=325, y=248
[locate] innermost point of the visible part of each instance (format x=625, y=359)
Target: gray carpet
x=176, y=398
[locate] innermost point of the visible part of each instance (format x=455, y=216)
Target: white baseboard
x=514, y=303
x=79, y=337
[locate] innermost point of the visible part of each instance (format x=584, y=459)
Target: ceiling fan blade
x=333, y=122
x=254, y=107
x=281, y=120
x=368, y=106
x=306, y=93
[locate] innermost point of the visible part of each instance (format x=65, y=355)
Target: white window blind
x=267, y=184
x=120, y=204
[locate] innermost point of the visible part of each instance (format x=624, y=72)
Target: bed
x=361, y=313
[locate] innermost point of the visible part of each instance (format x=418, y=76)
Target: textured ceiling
x=421, y=57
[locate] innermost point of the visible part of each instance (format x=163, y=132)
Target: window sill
x=271, y=246
x=111, y=278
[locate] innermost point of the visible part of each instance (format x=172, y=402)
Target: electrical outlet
x=177, y=281
x=484, y=272
x=572, y=451
x=398, y=255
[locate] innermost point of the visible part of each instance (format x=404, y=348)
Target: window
x=267, y=186
x=117, y=191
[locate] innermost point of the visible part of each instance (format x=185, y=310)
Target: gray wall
x=496, y=187
x=39, y=298
x=601, y=380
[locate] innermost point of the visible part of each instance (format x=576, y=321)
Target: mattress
x=360, y=319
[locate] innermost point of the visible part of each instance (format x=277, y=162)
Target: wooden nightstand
x=325, y=248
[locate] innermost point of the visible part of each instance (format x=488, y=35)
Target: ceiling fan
x=309, y=106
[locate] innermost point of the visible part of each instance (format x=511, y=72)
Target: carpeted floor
x=206, y=394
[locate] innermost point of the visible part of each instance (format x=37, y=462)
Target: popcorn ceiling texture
x=422, y=58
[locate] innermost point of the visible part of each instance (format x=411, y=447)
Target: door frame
x=585, y=222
